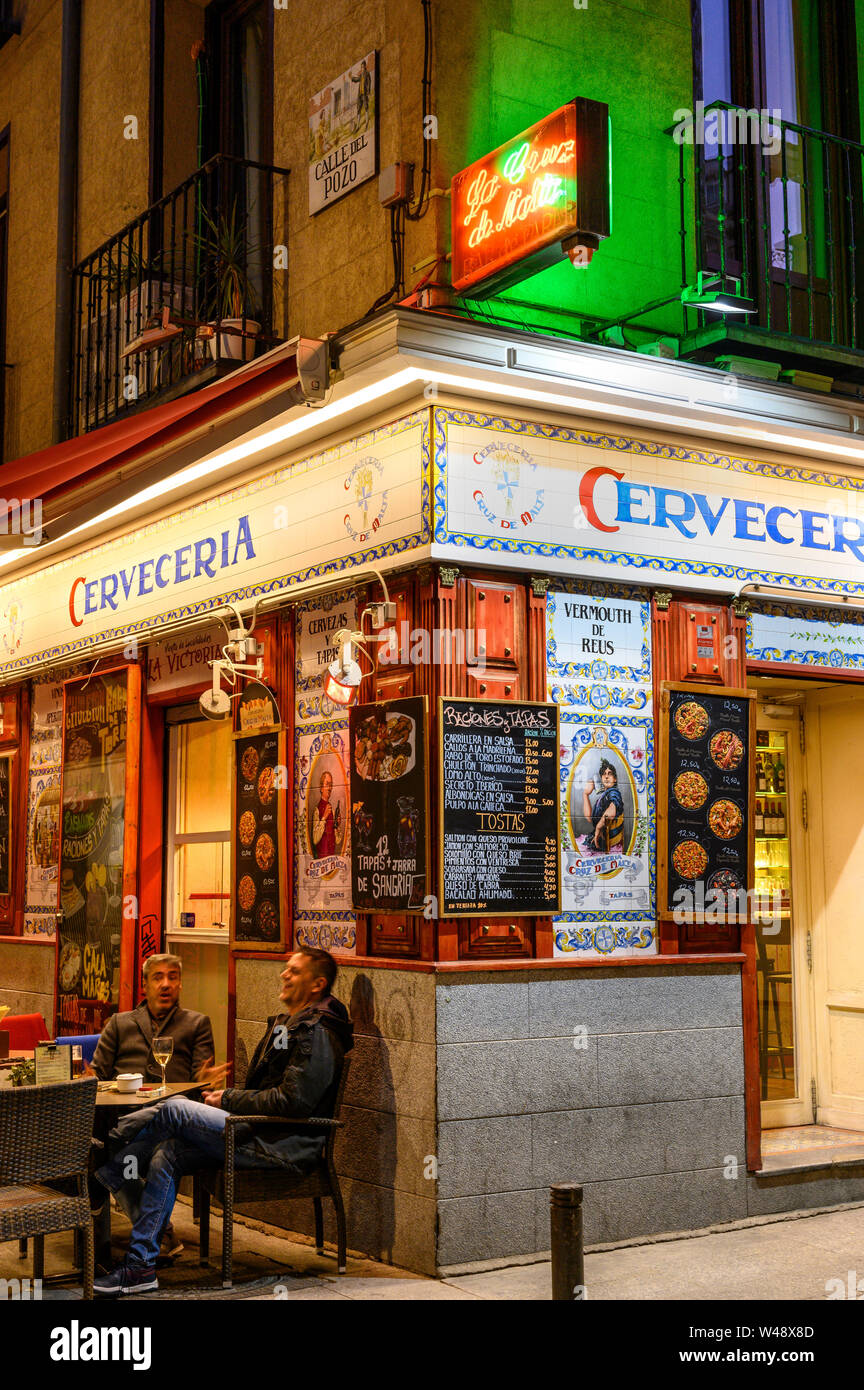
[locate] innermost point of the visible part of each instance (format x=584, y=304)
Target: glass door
x=198, y=863
x=780, y=888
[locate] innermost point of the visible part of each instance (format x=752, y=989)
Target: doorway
x=198, y=861
x=809, y=875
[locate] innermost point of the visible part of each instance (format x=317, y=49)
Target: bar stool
x=771, y=978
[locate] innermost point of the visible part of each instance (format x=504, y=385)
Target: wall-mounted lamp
x=342, y=682
x=780, y=594
x=236, y=660
x=710, y=293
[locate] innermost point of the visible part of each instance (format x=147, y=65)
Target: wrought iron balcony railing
x=191, y=286
x=779, y=206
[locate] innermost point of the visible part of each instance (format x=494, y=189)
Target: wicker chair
x=45, y=1138
x=230, y=1185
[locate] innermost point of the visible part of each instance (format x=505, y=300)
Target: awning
x=127, y=445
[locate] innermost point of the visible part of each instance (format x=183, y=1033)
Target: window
x=779, y=174
x=199, y=823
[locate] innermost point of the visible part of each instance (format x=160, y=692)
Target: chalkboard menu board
x=5, y=823
x=499, y=809
x=705, y=842
x=260, y=907
x=389, y=806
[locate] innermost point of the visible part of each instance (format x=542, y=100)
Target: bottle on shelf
x=781, y=820
x=770, y=774
x=761, y=779
x=781, y=778
x=760, y=817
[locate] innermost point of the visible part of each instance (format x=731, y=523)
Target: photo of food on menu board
x=705, y=763
x=389, y=806
x=258, y=887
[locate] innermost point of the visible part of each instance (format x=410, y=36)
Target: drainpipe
x=67, y=186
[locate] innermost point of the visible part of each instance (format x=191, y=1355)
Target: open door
x=834, y=828
x=781, y=885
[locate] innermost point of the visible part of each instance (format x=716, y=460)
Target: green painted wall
x=502, y=66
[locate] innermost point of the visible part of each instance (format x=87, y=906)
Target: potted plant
x=234, y=299
x=23, y=1073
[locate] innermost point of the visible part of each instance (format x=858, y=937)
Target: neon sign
x=511, y=209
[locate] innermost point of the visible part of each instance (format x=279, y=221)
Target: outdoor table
x=131, y=1100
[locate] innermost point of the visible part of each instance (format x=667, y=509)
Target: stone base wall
x=389, y=1111
x=628, y=1081
x=470, y=1094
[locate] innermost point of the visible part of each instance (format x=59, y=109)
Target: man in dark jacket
x=294, y=1073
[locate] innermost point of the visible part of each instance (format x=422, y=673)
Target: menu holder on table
x=53, y=1063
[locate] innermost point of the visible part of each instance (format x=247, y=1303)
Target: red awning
x=61, y=468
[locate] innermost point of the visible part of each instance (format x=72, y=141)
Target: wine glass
x=163, y=1050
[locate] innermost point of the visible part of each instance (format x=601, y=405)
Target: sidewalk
x=791, y=1258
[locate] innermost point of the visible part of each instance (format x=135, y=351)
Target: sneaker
x=126, y=1277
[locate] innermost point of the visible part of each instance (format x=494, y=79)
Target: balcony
x=186, y=292
x=780, y=209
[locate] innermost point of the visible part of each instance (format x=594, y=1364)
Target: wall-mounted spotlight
x=711, y=293
x=342, y=682
x=344, y=675
x=235, y=661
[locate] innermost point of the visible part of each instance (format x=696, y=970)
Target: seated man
x=126, y=1043
x=294, y=1073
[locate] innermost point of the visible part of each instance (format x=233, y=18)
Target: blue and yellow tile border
x=444, y=417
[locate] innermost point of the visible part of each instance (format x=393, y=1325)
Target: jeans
x=170, y=1140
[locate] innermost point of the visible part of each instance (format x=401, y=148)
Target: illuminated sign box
x=512, y=209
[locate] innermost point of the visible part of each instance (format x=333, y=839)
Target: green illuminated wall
x=501, y=66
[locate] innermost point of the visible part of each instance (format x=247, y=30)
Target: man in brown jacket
x=126, y=1043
